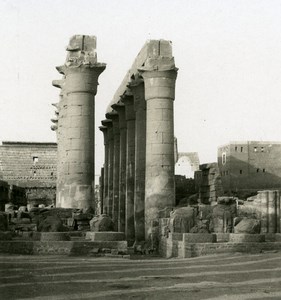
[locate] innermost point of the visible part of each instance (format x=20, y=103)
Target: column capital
x=115, y=121
x=128, y=100
x=159, y=78
x=159, y=64
x=137, y=88
x=103, y=128
x=120, y=108
x=107, y=123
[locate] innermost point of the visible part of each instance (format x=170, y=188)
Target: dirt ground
x=217, y=277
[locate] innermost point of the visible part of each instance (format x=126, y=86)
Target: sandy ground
x=217, y=277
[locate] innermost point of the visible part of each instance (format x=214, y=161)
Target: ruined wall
x=31, y=166
x=250, y=165
x=208, y=182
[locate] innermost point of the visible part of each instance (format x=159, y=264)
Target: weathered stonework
x=76, y=141
x=144, y=104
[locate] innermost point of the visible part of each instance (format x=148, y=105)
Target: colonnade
x=138, y=171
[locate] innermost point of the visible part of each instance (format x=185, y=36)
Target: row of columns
x=138, y=177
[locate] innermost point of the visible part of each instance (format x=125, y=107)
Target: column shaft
x=120, y=108
x=116, y=166
x=81, y=70
x=159, y=79
x=130, y=169
x=137, y=88
x=110, y=171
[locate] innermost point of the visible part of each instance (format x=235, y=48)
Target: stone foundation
x=63, y=247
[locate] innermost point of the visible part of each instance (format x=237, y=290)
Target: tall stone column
x=159, y=79
x=104, y=205
x=278, y=211
x=109, y=174
x=101, y=190
x=263, y=196
x=81, y=72
x=128, y=100
x=137, y=88
x=272, y=212
x=60, y=132
x=120, y=108
x=116, y=164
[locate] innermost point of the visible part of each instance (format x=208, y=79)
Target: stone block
x=246, y=238
x=54, y=236
x=105, y=236
x=5, y=235
x=199, y=238
x=222, y=237
x=278, y=237
x=251, y=226
x=101, y=223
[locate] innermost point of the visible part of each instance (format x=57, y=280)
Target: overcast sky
x=228, y=54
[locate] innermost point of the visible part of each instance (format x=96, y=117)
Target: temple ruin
x=139, y=211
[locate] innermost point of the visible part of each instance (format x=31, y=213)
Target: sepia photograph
x=140, y=149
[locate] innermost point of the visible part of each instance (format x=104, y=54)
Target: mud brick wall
x=30, y=168
x=28, y=164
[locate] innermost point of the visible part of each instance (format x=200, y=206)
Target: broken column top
x=151, y=49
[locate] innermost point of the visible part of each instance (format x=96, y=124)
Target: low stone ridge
x=199, y=238
x=54, y=236
x=105, y=236
x=246, y=238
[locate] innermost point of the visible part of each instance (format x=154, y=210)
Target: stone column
x=116, y=164
x=81, y=72
x=109, y=175
x=278, y=212
x=61, y=125
x=128, y=100
x=271, y=211
x=137, y=88
x=159, y=79
x=104, y=206
x=101, y=190
x=263, y=196
x=120, y=108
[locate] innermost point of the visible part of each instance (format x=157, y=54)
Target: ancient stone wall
x=208, y=181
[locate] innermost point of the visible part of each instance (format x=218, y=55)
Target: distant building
x=32, y=166
x=250, y=165
x=187, y=163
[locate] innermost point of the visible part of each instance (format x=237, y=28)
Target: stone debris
x=101, y=223
x=245, y=225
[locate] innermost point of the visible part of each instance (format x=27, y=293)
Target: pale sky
x=228, y=54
